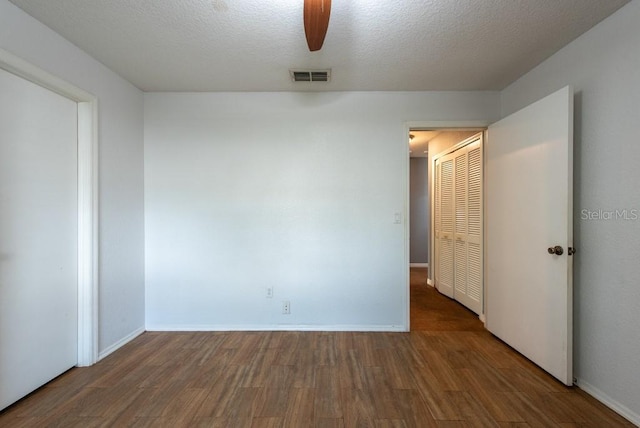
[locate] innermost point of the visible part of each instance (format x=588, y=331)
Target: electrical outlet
x=286, y=307
x=269, y=292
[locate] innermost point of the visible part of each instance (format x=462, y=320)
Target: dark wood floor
x=430, y=311
x=448, y=372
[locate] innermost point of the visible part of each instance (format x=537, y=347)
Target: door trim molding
x=87, y=197
x=458, y=146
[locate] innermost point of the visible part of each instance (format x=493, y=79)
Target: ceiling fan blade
x=316, y=22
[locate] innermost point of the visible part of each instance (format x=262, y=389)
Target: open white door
x=528, y=212
x=38, y=236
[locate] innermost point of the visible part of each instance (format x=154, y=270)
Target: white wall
x=603, y=66
x=121, y=166
x=419, y=210
x=295, y=191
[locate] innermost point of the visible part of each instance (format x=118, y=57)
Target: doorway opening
x=427, y=304
x=526, y=215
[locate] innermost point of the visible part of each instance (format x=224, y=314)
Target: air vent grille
x=310, y=75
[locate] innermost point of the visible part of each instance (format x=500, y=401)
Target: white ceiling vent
x=310, y=75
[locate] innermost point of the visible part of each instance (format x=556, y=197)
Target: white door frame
x=416, y=125
x=87, y=197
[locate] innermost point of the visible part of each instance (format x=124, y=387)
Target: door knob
x=557, y=250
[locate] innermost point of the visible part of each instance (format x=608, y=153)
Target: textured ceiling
x=249, y=45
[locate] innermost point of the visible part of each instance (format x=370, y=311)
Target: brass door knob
x=557, y=250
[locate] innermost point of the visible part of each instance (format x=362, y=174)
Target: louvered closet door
x=461, y=219
x=445, y=218
x=437, y=217
x=458, y=224
x=468, y=226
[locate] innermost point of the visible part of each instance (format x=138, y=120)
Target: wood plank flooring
x=430, y=311
x=450, y=372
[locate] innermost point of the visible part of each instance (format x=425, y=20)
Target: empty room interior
x=309, y=213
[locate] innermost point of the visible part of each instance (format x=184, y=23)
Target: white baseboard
x=419, y=265
x=277, y=327
x=430, y=282
x=120, y=343
x=609, y=402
